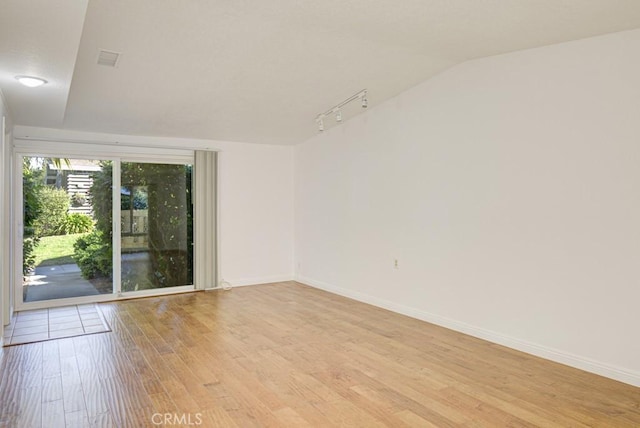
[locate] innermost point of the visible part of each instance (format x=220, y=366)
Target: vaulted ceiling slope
x=257, y=71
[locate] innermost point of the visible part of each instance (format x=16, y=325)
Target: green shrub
x=54, y=204
x=76, y=223
x=93, y=255
x=32, y=179
x=29, y=245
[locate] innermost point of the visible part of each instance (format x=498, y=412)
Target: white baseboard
x=259, y=280
x=623, y=375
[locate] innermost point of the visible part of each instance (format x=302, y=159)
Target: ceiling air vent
x=108, y=58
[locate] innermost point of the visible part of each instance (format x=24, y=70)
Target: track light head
x=339, y=116
x=365, y=102
x=320, y=125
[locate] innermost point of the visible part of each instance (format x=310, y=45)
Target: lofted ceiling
x=257, y=71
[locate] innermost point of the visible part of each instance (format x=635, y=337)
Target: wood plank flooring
x=289, y=355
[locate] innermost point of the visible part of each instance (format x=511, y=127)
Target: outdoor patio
x=57, y=282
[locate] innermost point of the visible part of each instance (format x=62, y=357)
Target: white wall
x=255, y=198
x=508, y=188
x=256, y=213
x=5, y=137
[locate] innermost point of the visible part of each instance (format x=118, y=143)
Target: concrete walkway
x=57, y=282
x=62, y=281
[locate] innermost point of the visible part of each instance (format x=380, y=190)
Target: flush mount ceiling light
x=30, y=81
x=337, y=109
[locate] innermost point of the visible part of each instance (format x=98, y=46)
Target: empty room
x=418, y=213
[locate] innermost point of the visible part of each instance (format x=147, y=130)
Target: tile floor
x=54, y=323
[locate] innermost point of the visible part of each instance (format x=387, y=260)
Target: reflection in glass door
x=156, y=218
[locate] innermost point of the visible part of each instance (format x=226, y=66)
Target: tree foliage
x=93, y=253
x=101, y=199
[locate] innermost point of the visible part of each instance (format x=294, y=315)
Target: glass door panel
x=156, y=217
x=67, y=224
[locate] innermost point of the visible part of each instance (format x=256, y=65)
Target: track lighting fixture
x=337, y=109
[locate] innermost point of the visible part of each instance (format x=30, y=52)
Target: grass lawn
x=55, y=250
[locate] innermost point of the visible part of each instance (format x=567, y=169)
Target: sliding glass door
x=98, y=228
x=66, y=228
x=156, y=234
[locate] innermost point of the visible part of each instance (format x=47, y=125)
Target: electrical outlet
x=395, y=264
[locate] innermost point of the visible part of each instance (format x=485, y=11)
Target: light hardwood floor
x=289, y=355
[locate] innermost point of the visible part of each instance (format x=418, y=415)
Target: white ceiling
x=39, y=38
x=257, y=71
